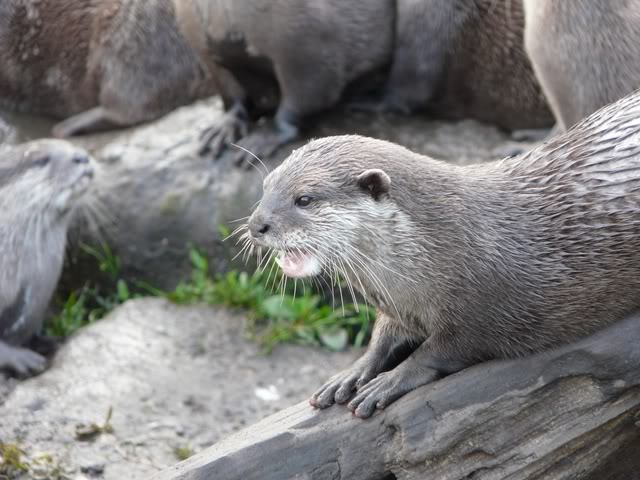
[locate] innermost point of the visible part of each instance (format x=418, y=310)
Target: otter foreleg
x=423, y=366
x=387, y=348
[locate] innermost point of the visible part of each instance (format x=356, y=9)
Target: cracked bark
x=568, y=414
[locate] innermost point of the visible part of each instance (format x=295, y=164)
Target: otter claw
x=21, y=361
x=340, y=388
x=215, y=139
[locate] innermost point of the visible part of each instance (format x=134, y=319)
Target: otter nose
x=258, y=229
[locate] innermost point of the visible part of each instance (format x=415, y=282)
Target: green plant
x=12, y=460
x=294, y=315
x=289, y=313
x=182, y=453
x=93, y=430
x=91, y=302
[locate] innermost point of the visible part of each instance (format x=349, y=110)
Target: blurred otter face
x=53, y=173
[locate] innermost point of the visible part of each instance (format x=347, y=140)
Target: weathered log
x=572, y=413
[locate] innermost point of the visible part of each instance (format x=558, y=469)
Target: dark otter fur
x=585, y=53
x=41, y=184
x=464, y=264
x=291, y=58
x=465, y=58
x=109, y=63
x=456, y=58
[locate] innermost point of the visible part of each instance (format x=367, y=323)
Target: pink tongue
x=293, y=264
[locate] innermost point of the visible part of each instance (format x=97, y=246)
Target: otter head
x=45, y=177
x=321, y=206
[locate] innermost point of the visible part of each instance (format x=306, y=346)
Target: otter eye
x=303, y=201
x=42, y=161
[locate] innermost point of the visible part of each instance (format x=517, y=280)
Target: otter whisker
x=249, y=253
x=362, y=289
x=295, y=288
x=246, y=236
x=374, y=234
x=336, y=281
x=251, y=163
x=93, y=225
x=359, y=258
x=245, y=247
x=236, y=231
x=268, y=261
x=349, y=284
x=241, y=219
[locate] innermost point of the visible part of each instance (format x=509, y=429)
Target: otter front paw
x=340, y=387
x=232, y=126
x=387, y=387
x=21, y=361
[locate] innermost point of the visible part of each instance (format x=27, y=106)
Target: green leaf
x=198, y=260
x=335, y=339
x=276, y=307
x=123, y=291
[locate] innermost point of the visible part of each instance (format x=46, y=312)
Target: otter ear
x=374, y=181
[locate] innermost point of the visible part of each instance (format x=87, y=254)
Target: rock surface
x=175, y=377
x=569, y=414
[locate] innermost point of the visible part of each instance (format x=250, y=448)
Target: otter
x=584, y=55
x=292, y=60
x=98, y=64
x=464, y=264
x=41, y=184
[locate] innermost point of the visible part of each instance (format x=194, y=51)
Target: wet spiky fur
x=486, y=261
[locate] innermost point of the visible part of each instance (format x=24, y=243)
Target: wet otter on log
x=464, y=264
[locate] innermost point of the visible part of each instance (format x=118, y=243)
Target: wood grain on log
x=568, y=414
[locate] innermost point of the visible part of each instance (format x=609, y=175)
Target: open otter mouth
x=298, y=263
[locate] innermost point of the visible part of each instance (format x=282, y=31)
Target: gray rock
x=174, y=377
x=567, y=414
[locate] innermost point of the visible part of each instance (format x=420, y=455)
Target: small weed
x=182, y=453
x=108, y=262
x=12, y=460
x=15, y=464
x=92, y=302
x=90, y=432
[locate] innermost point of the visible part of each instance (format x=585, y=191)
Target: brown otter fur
x=457, y=58
x=464, y=264
x=109, y=63
x=465, y=58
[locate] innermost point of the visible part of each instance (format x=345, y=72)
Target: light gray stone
x=174, y=377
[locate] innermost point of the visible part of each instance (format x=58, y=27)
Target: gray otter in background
x=464, y=264
x=586, y=54
x=41, y=184
x=459, y=58
x=105, y=63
